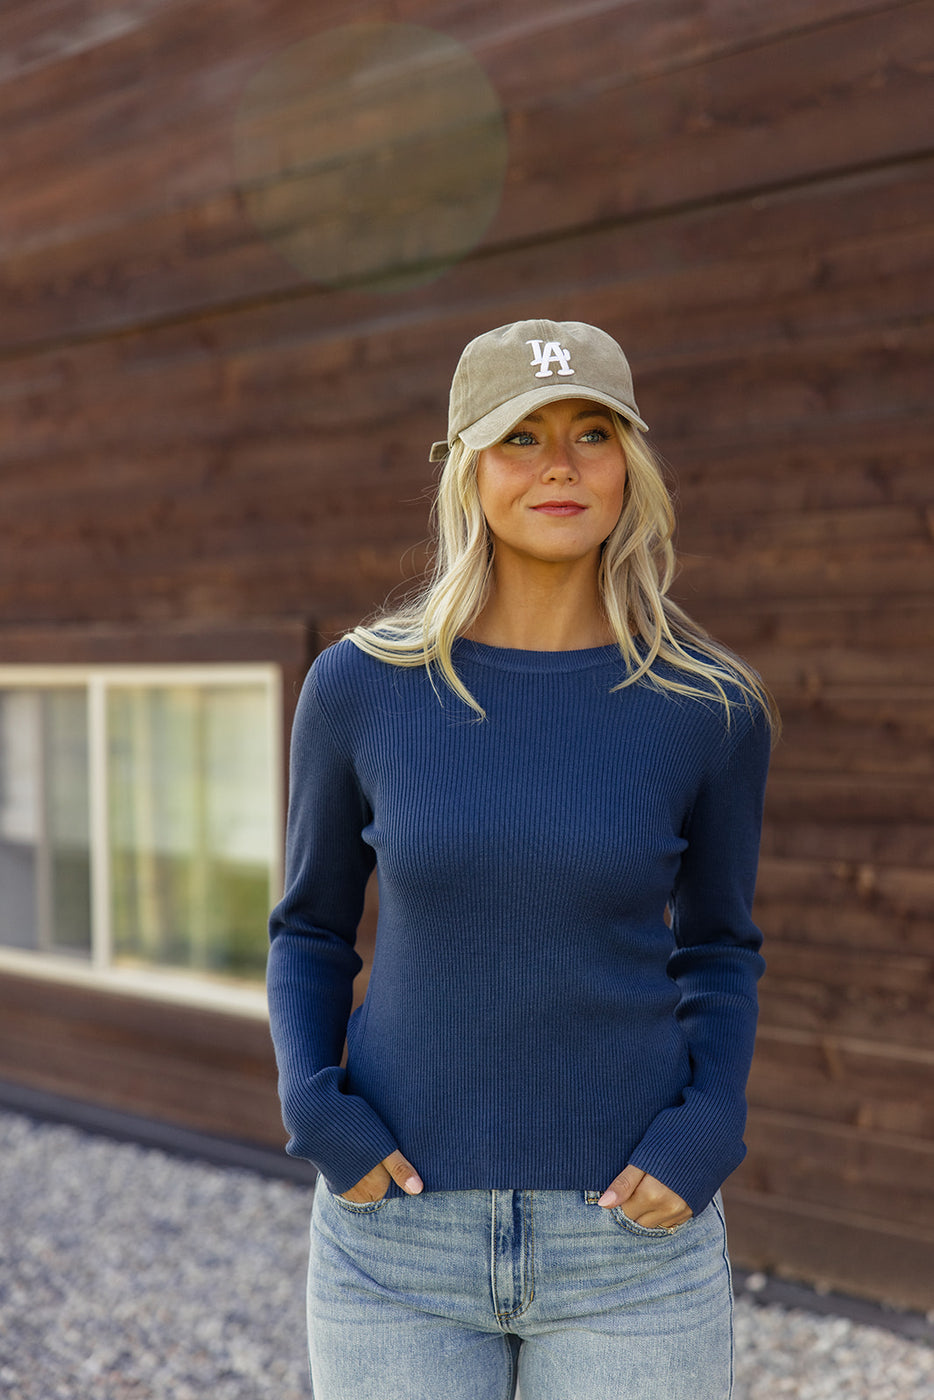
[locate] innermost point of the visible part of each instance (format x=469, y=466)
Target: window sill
x=156, y=984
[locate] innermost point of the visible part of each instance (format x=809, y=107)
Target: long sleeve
x=312, y=960
x=530, y=1021
x=693, y=1146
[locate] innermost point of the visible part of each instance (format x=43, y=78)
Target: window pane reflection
x=190, y=821
x=45, y=900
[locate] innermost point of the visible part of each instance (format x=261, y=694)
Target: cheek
x=615, y=498
x=484, y=484
x=497, y=490
x=487, y=499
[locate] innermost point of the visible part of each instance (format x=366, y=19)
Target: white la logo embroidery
x=550, y=353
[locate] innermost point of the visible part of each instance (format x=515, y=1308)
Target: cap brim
x=494, y=426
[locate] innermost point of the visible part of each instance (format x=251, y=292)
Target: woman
x=559, y=779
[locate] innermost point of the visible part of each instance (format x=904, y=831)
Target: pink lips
x=559, y=508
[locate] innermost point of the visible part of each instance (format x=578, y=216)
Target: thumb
x=403, y=1173
x=622, y=1187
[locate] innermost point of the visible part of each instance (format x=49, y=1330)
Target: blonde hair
x=637, y=567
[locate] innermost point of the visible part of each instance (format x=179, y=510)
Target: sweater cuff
x=338, y=1133
x=692, y=1148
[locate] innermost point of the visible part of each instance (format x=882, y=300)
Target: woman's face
x=552, y=490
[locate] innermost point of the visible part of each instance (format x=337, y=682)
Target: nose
x=560, y=465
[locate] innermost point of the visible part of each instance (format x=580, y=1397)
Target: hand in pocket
x=375, y=1184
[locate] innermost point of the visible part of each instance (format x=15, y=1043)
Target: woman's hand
x=375, y=1184
x=645, y=1200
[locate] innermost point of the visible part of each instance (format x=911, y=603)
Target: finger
x=403, y=1173
x=621, y=1188
x=371, y=1187
x=656, y=1206
x=667, y=1217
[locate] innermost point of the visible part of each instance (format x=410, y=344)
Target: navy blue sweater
x=532, y=1020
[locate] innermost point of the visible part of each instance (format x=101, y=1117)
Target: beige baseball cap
x=507, y=373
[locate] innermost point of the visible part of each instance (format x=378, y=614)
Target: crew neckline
x=519, y=659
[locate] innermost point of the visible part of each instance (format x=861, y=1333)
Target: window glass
x=66, y=805
x=19, y=818
x=138, y=819
x=190, y=823
x=44, y=837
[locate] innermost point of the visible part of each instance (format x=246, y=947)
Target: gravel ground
x=128, y=1274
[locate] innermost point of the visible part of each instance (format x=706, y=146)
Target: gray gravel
x=128, y=1274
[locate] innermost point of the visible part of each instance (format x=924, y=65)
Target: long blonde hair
x=637, y=567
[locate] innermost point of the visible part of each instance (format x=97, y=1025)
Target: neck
x=552, y=607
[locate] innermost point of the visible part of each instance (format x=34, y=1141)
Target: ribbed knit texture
x=531, y=1022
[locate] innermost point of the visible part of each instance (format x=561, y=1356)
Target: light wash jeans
x=457, y=1295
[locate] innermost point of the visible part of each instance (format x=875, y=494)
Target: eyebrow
x=584, y=413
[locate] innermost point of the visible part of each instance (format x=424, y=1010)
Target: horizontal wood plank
x=189, y=245
x=864, y=907
x=201, y=1068
x=849, y=837
x=839, y=991
x=855, y=1255
x=827, y=1078
x=803, y=106
x=841, y=1167
x=286, y=641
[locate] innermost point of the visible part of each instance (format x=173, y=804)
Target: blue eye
x=596, y=435
x=521, y=439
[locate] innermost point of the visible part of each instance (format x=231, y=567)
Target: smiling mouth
x=559, y=508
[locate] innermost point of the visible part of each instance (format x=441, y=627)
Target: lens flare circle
x=371, y=154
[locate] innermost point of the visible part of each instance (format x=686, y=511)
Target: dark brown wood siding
x=196, y=436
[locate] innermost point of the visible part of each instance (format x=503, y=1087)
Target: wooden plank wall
x=194, y=430
x=208, y=1070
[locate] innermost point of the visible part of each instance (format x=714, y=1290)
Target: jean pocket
x=354, y=1207
x=632, y=1227
x=647, y=1232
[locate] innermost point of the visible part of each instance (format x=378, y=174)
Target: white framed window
x=141, y=825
